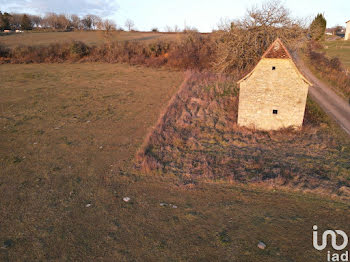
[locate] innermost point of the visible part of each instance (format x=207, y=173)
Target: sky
x=202, y=14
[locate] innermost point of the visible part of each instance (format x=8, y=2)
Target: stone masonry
x=273, y=95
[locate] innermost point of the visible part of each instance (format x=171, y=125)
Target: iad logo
x=333, y=236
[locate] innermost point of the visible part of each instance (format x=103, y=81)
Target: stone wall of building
x=265, y=90
x=347, y=31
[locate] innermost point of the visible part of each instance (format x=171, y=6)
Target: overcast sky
x=202, y=14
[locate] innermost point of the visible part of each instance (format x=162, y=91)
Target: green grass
x=88, y=37
x=68, y=136
x=340, y=49
x=331, y=83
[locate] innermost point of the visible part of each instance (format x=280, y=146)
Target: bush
x=79, y=49
x=4, y=51
x=194, y=51
x=329, y=68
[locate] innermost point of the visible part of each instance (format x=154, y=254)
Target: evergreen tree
x=5, y=21
x=26, y=23
x=318, y=27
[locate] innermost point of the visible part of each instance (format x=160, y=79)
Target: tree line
x=16, y=21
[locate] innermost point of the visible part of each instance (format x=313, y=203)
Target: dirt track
x=331, y=103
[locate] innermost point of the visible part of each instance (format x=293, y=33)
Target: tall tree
x=243, y=41
x=129, y=24
x=36, y=20
x=95, y=21
x=15, y=21
x=109, y=25
x=63, y=22
x=51, y=20
x=5, y=21
x=75, y=21
x=318, y=27
x=87, y=22
x=26, y=23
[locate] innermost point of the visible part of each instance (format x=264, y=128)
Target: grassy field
x=199, y=137
x=88, y=37
x=340, y=49
x=68, y=137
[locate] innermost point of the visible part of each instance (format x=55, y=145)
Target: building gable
x=277, y=50
x=273, y=95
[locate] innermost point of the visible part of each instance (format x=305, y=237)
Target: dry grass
x=88, y=37
x=54, y=120
x=198, y=138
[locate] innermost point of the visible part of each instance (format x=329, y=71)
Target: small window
x=275, y=112
x=273, y=68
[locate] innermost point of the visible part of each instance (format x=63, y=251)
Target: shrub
x=193, y=52
x=329, y=68
x=4, y=51
x=318, y=27
x=79, y=49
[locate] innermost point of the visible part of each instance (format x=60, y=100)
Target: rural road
x=329, y=101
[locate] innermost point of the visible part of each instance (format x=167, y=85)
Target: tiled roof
x=277, y=50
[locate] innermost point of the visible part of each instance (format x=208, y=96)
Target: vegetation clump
x=331, y=69
x=242, y=42
x=26, y=23
x=79, y=49
x=318, y=27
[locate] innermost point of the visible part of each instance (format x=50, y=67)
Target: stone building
x=273, y=95
x=347, y=31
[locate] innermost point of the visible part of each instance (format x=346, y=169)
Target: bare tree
x=51, y=20
x=87, y=22
x=244, y=41
x=271, y=13
x=224, y=24
x=168, y=29
x=190, y=29
x=75, y=21
x=109, y=25
x=62, y=22
x=177, y=29
x=15, y=20
x=95, y=20
x=129, y=24
x=36, y=19
x=55, y=21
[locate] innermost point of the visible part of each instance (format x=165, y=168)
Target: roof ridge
x=275, y=55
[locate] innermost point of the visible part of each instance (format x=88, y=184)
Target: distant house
x=335, y=31
x=347, y=32
x=273, y=95
x=330, y=31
